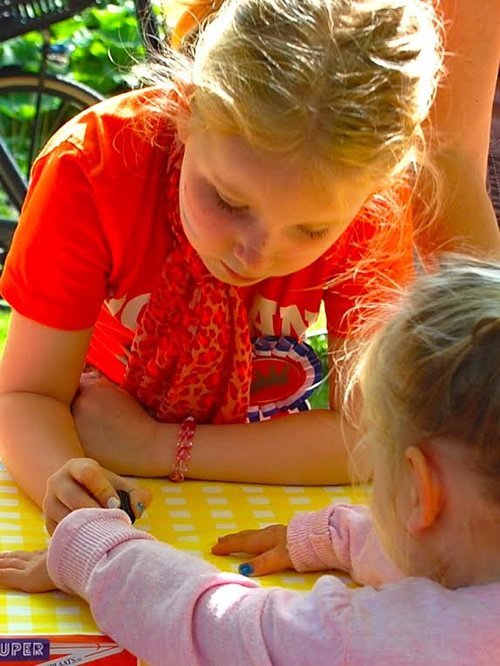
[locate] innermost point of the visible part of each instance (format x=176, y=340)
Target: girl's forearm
x=37, y=436
x=310, y=448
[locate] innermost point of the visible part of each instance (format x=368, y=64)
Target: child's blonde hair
x=344, y=82
x=433, y=371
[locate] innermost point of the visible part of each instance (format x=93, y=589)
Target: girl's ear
x=426, y=490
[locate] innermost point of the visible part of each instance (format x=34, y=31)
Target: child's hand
x=82, y=483
x=25, y=571
x=269, y=544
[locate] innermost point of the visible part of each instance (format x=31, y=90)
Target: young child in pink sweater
x=427, y=551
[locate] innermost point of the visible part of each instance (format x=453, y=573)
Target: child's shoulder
x=123, y=132
x=420, y=617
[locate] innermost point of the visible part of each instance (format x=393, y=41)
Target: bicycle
x=34, y=105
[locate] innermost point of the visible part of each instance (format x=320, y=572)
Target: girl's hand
x=25, y=571
x=81, y=483
x=269, y=544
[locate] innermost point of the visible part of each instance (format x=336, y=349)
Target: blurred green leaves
x=102, y=44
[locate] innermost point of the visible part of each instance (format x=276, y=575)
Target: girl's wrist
x=183, y=450
x=163, y=448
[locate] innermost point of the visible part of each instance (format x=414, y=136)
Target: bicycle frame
x=11, y=178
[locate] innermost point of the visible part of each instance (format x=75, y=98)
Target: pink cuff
x=309, y=541
x=81, y=540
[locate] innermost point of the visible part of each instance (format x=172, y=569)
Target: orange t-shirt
x=92, y=240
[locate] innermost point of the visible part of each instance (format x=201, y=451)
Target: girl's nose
x=253, y=251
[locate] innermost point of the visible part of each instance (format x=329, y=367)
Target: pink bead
x=183, y=450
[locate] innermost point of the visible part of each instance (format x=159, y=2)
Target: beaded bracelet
x=183, y=450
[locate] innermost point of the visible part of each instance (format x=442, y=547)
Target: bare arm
x=460, y=130
x=39, y=375
x=306, y=448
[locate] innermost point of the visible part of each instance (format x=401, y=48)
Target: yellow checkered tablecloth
x=189, y=516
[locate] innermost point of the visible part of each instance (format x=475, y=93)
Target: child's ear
x=426, y=490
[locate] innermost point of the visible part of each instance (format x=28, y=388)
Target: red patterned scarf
x=191, y=354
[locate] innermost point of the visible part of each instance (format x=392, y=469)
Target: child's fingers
x=251, y=541
x=89, y=474
x=65, y=496
x=25, y=571
x=90, y=377
x=239, y=542
x=87, y=378
x=12, y=578
x=55, y=510
x=25, y=555
x=50, y=526
x=12, y=561
x=140, y=498
x=70, y=497
x=272, y=561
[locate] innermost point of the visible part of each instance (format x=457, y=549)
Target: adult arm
x=459, y=131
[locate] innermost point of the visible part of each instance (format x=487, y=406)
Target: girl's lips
x=236, y=276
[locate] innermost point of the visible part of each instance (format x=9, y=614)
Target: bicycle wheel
x=27, y=119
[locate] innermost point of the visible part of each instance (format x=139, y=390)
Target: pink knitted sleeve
x=341, y=536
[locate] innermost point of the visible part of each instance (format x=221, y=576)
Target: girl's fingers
x=272, y=561
x=12, y=562
x=25, y=555
x=55, y=508
x=89, y=474
x=140, y=498
x=251, y=541
x=70, y=497
x=25, y=581
x=12, y=578
x=50, y=526
x=89, y=377
x=26, y=572
x=54, y=511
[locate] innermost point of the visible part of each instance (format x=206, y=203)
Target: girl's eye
x=315, y=234
x=227, y=207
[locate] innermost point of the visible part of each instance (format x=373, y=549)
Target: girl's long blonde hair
x=344, y=82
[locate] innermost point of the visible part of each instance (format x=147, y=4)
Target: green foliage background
x=103, y=43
